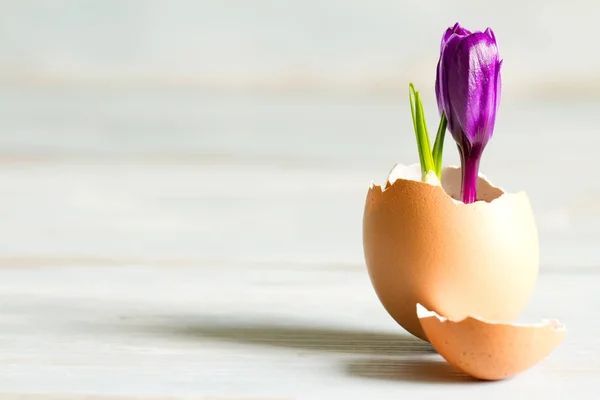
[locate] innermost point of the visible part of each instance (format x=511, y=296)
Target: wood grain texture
x=183, y=245
x=240, y=332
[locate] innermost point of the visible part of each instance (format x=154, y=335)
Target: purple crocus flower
x=468, y=92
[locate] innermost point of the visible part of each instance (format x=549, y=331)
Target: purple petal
x=460, y=30
x=446, y=59
x=456, y=29
x=438, y=93
x=490, y=33
x=449, y=32
x=498, y=84
x=471, y=75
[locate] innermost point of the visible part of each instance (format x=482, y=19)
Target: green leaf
x=420, y=126
x=438, y=145
x=412, y=97
x=424, y=135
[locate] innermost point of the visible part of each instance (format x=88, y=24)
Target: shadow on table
x=386, y=356
x=308, y=338
x=408, y=369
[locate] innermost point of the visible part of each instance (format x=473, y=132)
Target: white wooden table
x=273, y=331
x=130, y=273
x=137, y=283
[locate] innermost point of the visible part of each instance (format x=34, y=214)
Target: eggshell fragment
x=422, y=245
x=490, y=350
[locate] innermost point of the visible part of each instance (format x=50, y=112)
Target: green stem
x=438, y=145
x=469, y=161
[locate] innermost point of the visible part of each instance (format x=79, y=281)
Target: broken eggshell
x=490, y=350
x=422, y=245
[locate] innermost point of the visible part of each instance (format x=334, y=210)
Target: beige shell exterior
x=456, y=259
x=491, y=351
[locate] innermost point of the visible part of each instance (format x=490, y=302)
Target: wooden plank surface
x=176, y=245
x=270, y=331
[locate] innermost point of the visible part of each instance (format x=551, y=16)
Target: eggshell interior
x=490, y=350
x=422, y=245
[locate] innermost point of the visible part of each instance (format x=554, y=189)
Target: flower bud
x=468, y=89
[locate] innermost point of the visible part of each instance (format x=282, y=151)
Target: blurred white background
x=216, y=131
x=375, y=45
